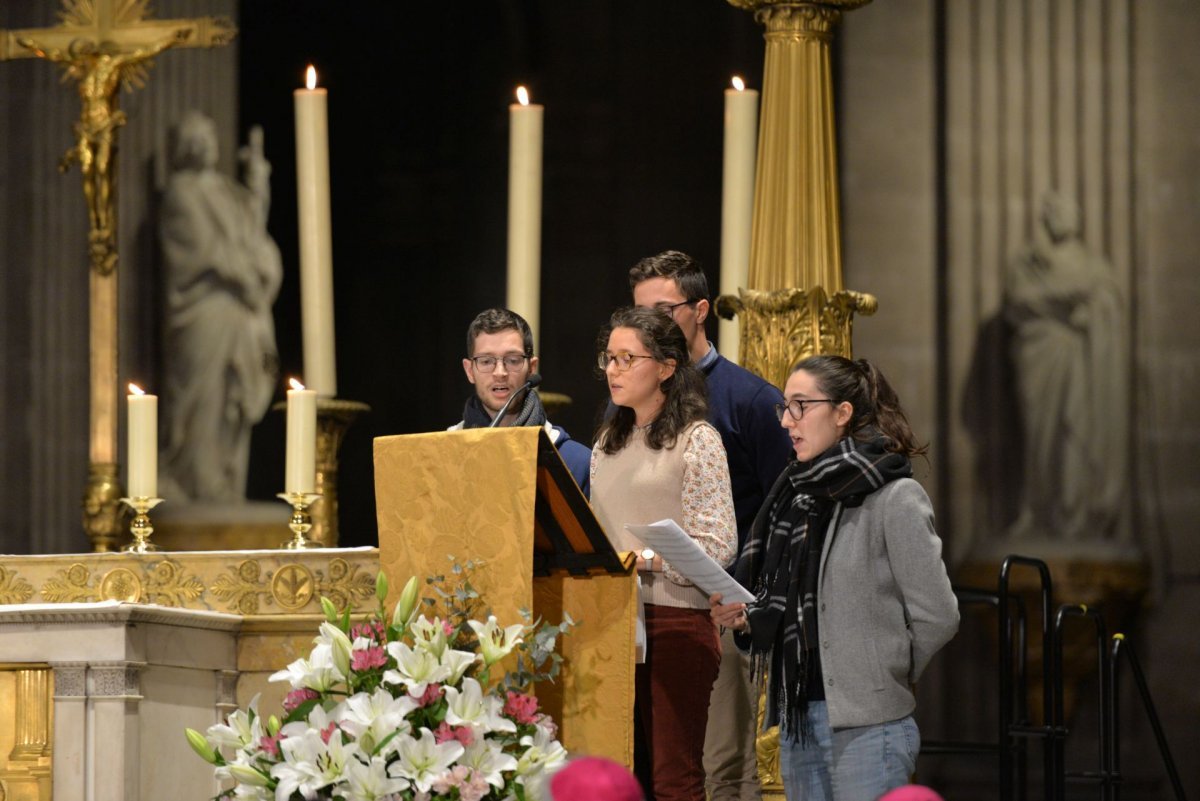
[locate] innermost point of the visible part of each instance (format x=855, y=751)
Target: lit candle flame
x=738, y=83
x=310, y=77
x=522, y=95
x=295, y=384
x=134, y=389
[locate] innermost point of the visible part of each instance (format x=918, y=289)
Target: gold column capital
x=780, y=327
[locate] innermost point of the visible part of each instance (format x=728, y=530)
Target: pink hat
x=594, y=779
x=911, y=792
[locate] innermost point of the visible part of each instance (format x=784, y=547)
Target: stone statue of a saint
x=1070, y=354
x=222, y=274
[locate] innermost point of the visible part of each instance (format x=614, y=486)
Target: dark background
x=418, y=121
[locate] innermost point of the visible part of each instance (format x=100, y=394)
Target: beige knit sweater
x=688, y=483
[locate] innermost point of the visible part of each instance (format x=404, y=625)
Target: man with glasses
x=499, y=361
x=741, y=406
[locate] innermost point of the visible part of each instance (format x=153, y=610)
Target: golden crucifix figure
x=104, y=46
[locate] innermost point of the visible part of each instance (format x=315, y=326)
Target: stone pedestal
x=126, y=679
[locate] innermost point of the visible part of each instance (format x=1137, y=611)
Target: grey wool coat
x=884, y=606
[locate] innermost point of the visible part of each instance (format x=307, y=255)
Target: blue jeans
x=856, y=764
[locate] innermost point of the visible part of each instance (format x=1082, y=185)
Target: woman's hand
x=729, y=616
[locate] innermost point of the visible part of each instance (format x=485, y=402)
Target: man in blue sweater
x=499, y=361
x=741, y=406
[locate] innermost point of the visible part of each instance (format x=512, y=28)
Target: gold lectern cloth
x=459, y=495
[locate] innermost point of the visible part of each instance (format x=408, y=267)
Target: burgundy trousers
x=683, y=654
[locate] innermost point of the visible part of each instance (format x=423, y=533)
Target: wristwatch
x=648, y=555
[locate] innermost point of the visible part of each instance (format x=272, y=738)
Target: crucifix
x=102, y=46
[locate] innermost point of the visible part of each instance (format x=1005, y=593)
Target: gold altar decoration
x=472, y=494
x=334, y=416
x=778, y=328
x=796, y=304
x=26, y=732
x=104, y=46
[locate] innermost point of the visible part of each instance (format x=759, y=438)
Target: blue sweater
x=741, y=406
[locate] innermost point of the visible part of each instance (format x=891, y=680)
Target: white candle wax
x=737, y=203
x=143, y=445
x=316, y=237
x=301, y=440
x=525, y=212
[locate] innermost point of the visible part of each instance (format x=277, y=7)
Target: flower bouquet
x=401, y=709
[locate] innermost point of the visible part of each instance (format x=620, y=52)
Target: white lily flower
x=457, y=662
x=494, y=642
x=369, y=782
x=339, y=645
x=319, y=720
x=248, y=775
x=415, y=668
x=238, y=731
x=421, y=760
x=430, y=635
x=542, y=753
x=469, y=707
x=488, y=760
x=318, y=672
x=310, y=763
x=369, y=719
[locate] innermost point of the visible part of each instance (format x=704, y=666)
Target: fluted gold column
x=33, y=715
x=796, y=241
x=796, y=304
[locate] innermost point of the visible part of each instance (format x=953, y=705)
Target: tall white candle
x=737, y=201
x=525, y=209
x=301, y=439
x=316, y=236
x=143, y=443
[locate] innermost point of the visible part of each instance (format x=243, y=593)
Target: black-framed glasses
x=670, y=308
x=622, y=359
x=797, y=407
x=512, y=362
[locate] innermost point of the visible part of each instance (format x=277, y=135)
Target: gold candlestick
x=301, y=522
x=140, y=527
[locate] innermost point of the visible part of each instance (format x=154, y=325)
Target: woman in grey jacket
x=852, y=597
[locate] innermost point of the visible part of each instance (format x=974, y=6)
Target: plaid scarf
x=781, y=562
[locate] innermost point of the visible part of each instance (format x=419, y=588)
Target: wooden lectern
x=504, y=496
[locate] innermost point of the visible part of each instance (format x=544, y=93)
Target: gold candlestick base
x=140, y=527
x=301, y=522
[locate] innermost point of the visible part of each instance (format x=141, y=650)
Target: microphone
x=533, y=381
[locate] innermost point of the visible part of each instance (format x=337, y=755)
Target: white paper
x=673, y=544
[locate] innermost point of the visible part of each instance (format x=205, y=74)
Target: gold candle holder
x=301, y=522
x=140, y=528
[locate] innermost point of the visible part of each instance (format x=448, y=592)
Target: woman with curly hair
x=656, y=458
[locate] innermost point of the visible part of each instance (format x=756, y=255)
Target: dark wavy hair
x=686, y=393
x=876, y=406
x=493, y=321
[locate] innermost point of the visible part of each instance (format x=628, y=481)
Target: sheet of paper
x=673, y=544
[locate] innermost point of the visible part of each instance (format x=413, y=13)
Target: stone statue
x=222, y=275
x=1071, y=361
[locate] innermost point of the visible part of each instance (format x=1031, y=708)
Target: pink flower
x=521, y=708
x=371, y=630
x=297, y=697
x=446, y=732
x=327, y=732
x=368, y=658
x=447, y=628
x=450, y=779
x=270, y=745
x=547, y=723
x=431, y=695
